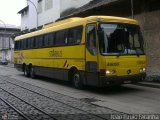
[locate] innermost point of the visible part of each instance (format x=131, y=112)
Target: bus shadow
x=110, y=90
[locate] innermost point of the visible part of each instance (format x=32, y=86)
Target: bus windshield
x=120, y=39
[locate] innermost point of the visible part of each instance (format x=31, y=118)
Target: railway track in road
x=40, y=114
x=71, y=108
x=12, y=112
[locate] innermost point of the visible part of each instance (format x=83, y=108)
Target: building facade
x=7, y=41
x=40, y=12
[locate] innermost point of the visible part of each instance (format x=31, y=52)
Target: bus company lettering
x=55, y=53
x=113, y=64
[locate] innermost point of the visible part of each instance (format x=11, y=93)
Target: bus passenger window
x=75, y=35
x=51, y=39
x=29, y=43
x=32, y=43
x=23, y=44
x=40, y=41
x=91, y=39
x=46, y=39
x=15, y=45
x=71, y=39
x=20, y=45
x=61, y=37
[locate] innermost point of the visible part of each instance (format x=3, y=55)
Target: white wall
x=50, y=15
x=29, y=20
x=66, y=4
x=24, y=21
x=32, y=21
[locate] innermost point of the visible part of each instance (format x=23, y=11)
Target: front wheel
x=76, y=79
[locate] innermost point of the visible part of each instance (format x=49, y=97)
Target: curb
x=149, y=84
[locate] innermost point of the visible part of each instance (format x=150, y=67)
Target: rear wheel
x=76, y=79
x=32, y=72
x=26, y=71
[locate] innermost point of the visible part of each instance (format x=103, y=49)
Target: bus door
x=91, y=55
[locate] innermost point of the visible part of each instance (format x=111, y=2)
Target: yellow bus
x=96, y=50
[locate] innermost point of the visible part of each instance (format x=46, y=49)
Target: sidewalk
x=149, y=84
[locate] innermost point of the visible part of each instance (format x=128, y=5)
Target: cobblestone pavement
x=6, y=110
x=41, y=104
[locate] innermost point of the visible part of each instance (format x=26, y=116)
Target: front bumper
x=118, y=80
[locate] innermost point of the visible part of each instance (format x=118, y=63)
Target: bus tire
x=76, y=80
x=32, y=72
x=26, y=71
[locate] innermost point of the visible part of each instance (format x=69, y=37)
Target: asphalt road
x=132, y=99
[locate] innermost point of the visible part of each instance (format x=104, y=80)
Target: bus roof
x=76, y=21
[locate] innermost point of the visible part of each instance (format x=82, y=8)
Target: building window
x=40, y=6
x=48, y=4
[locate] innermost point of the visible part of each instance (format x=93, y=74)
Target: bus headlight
x=108, y=72
x=142, y=70
x=111, y=72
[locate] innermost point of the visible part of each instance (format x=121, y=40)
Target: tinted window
x=121, y=39
x=46, y=40
x=23, y=44
x=39, y=41
x=29, y=43
x=32, y=42
x=20, y=45
x=51, y=39
x=75, y=35
x=61, y=37
x=16, y=45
